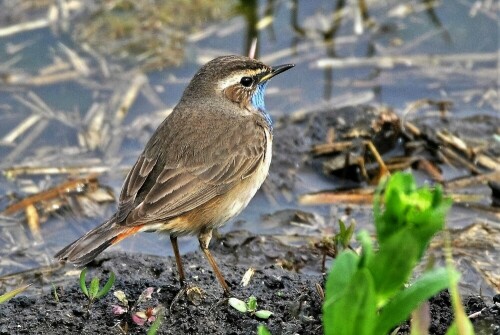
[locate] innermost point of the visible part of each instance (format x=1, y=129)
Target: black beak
x=275, y=71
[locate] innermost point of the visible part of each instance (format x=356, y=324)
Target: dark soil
x=291, y=296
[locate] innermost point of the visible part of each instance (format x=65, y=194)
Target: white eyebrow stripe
x=236, y=77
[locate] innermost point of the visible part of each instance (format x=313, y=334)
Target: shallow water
x=443, y=51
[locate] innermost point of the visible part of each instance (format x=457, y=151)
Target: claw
x=193, y=293
x=219, y=303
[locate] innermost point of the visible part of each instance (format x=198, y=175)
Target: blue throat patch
x=258, y=103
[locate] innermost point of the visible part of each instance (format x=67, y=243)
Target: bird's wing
x=133, y=183
x=162, y=185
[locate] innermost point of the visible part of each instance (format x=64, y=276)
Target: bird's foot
x=225, y=300
x=193, y=293
x=221, y=302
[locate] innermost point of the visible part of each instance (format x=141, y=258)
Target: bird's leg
x=193, y=293
x=204, y=237
x=178, y=260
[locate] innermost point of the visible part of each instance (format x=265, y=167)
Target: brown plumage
x=200, y=168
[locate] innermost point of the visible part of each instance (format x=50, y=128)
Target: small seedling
x=139, y=316
x=333, y=245
x=56, y=296
x=262, y=330
x=160, y=316
x=249, y=307
x=93, y=292
x=344, y=236
x=147, y=316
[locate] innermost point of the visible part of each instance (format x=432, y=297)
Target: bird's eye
x=246, y=81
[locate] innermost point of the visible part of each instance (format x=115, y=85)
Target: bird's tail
x=87, y=247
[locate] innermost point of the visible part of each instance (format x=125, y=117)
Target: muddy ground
x=291, y=296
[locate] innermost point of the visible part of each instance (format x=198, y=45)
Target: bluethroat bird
x=200, y=168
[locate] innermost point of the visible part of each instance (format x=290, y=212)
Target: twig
x=25, y=144
x=103, y=64
x=253, y=48
x=360, y=196
x=21, y=128
x=78, y=63
x=329, y=148
x=125, y=101
x=472, y=180
x=33, y=220
x=32, y=272
x=414, y=60
x=25, y=26
x=55, y=192
x=459, y=159
x=16, y=171
x=455, y=142
x=52, y=78
x=129, y=97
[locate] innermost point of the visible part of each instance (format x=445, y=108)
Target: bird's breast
x=244, y=192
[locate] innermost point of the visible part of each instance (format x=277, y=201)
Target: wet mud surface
x=292, y=296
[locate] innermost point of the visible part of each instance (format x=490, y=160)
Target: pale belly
x=240, y=196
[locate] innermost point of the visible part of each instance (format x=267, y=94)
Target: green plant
x=365, y=294
x=462, y=324
x=140, y=316
x=9, y=295
x=343, y=237
x=93, y=292
x=262, y=330
x=54, y=290
x=249, y=307
x=160, y=316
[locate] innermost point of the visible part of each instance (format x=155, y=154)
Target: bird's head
x=239, y=79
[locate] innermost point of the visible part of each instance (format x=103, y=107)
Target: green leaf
x=83, y=286
x=402, y=304
x=340, y=275
x=365, y=294
x=422, y=210
x=367, y=251
x=354, y=311
x=466, y=330
x=238, y=305
x=94, y=288
x=160, y=316
x=252, y=304
x=262, y=330
x=343, y=237
x=461, y=324
x=263, y=314
x=392, y=265
x=106, y=287
x=9, y=295
x=54, y=289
